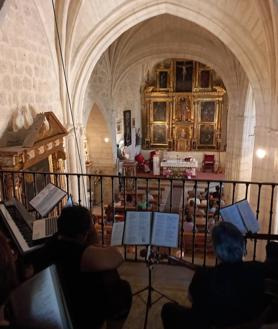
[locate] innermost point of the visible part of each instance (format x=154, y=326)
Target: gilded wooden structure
x=183, y=107
x=37, y=148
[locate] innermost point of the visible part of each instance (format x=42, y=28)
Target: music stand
x=151, y=259
x=146, y=228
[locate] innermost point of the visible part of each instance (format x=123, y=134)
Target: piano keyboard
x=19, y=229
x=51, y=226
x=44, y=228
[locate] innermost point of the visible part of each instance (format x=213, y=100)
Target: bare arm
x=100, y=259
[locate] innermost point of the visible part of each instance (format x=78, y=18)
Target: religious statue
x=184, y=109
x=183, y=133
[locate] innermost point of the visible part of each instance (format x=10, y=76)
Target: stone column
x=71, y=163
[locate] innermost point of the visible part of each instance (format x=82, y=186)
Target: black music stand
x=151, y=259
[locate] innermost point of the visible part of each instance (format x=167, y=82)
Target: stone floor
x=169, y=280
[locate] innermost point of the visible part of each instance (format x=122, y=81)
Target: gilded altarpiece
x=38, y=148
x=182, y=107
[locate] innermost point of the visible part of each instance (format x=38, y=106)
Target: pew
x=199, y=242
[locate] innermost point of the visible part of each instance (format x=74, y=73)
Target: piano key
x=15, y=226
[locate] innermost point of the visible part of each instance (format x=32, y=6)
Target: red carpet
x=200, y=175
x=210, y=175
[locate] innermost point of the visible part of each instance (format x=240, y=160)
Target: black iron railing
x=108, y=197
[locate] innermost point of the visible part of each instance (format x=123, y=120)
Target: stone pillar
x=265, y=171
x=71, y=163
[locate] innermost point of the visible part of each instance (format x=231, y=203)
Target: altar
x=179, y=168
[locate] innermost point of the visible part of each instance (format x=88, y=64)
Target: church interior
x=143, y=105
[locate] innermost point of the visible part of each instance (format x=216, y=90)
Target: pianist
x=94, y=291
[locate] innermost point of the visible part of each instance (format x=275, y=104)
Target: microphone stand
x=151, y=259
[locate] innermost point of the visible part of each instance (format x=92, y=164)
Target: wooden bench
x=199, y=242
x=107, y=232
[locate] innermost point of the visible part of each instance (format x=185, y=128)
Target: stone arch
x=100, y=152
x=234, y=38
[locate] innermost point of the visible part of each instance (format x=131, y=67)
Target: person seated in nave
x=230, y=293
x=94, y=291
x=109, y=214
x=129, y=201
x=192, y=198
x=188, y=224
x=212, y=207
x=216, y=193
x=191, y=209
x=117, y=201
x=204, y=195
x=145, y=202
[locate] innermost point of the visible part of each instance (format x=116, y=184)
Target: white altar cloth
x=186, y=168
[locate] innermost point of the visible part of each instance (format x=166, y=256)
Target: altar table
x=179, y=168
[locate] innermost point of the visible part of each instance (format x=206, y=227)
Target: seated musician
x=230, y=293
x=94, y=291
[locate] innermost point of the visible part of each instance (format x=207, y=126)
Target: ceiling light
x=261, y=153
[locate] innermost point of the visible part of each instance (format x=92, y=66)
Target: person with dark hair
x=94, y=291
x=129, y=200
x=216, y=193
x=230, y=293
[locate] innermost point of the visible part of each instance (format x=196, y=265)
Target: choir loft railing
x=108, y=197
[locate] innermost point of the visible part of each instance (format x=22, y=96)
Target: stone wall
x=27, y=74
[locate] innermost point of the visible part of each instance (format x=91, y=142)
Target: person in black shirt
x=230, y=293
x=94, y=291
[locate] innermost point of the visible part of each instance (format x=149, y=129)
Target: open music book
x=47, y=199
x=242, y=216
x=147, y=228
x=40, y=302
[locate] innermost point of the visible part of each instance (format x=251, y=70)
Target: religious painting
x=184, y=132
x=118, y=127
x=207, y=134
x=208, y=111
x=127, y=128
x=205, y=79
x=184, y=76
x=159, y=134
x=183, y=145
x=162, y=80
x=138, y=138
x=159, y=111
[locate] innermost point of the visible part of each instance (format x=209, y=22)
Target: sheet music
x=165, y=230
x=47, y=199
x=248, y=216
x=232, y=215
x=117, y=234
x=137, y=227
